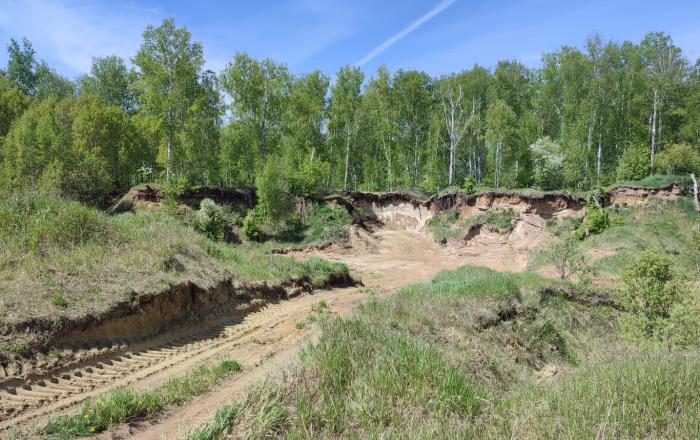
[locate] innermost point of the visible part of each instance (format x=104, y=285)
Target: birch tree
x=458, y=113
x=169, y=64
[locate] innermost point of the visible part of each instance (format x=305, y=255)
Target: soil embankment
x=139, y=196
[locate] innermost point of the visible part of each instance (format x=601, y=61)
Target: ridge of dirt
x=150, y=196
x=635, y=195
x=249, y=337
x=138, y=318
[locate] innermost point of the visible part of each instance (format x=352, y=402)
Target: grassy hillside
x=666, y=226
x=474, y=354
x=60, y=258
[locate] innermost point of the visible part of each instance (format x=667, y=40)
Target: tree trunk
x=387, y=153
x=599, y=156
x=652, y=151
x=589, y=142
x=695, y=193
x=347, y=159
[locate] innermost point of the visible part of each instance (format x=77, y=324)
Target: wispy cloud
x=68, y=34
x=440, y=7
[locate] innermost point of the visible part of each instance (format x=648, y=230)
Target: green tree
x=634, y=163
x=201, y=133
x=169, y=64
x=259, y=92
x=547, y=163
x=344, y=115
x=500, y=125
x=109, y=79
x=22, y=66
x=652, y=290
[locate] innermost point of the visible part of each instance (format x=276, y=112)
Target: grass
x=324, y=224
x=654, y=181
x=665, y=226
x=421, y=364
x=448, y=225
x=434, y=360
x=123, y=405
x=62, y=260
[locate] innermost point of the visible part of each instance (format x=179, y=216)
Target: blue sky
x=438, y=36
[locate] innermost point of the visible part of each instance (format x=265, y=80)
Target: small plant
x=300, y=325
x=597, y=219
x=319, y=306
x=253, y=224
x=210, y=220
x=568, y=259
x=653, y=293
x=59, y=301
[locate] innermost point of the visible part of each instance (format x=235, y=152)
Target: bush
x=567, y=258
x=654, y=298
x=210, y=219
x=634, y=163
x=253, y=224
x=678, y=159
x=597, y=219
x=469, y=185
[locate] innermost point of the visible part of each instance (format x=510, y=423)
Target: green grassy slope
x=60, y=259
x=469, y=355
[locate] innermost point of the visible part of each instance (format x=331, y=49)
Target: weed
x=300, y=325
x=59, y=301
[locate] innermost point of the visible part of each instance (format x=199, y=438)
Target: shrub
x=678, y=159
x=651, y=297
x=597, y=219
x=253, y=224
x=634, y=163
x=211, y=220
x=567, y=258
x=469, y=185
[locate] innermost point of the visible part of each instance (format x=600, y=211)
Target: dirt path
x=400, y=258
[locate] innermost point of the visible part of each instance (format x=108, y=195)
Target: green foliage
x=565, y=254
x=469, y=185
x=326, y=224
x=634, y=163
x=275, y=197
x=210, y=219
x=678, y=159
x=547, y=163
x=597, y=219
x=653, y=289
x=43, y=225
x=445, y=225
x=253, y=224
x=59, y=301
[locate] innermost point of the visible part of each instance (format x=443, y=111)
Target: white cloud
x=69, y=34
x=403, y=33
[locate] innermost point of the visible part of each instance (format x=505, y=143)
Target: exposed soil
x=631, y=195
x=149, y=196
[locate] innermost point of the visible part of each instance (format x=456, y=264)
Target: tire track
x=140, y=363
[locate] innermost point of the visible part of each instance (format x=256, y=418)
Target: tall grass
x=123, y=405
x=665, y=226
x=421, y=363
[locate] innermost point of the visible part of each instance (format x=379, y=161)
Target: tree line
x=585, y=117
